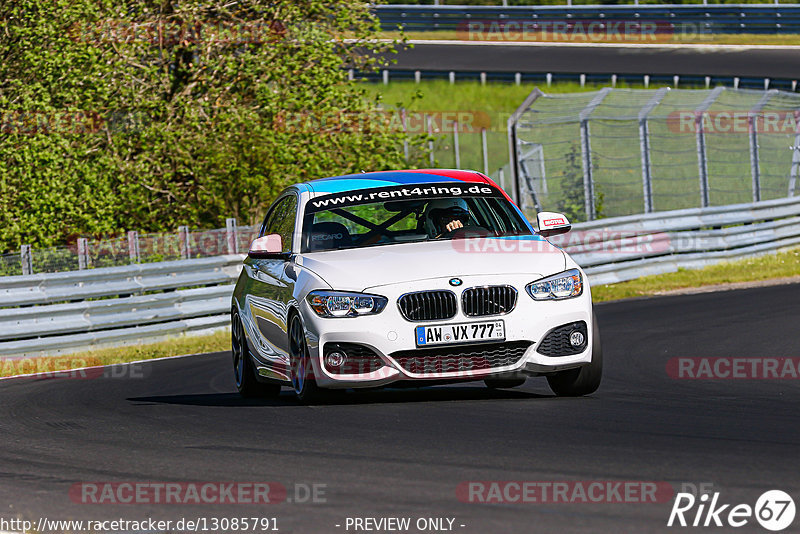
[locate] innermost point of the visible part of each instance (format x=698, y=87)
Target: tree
x=148, y=115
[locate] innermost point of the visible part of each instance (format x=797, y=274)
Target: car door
x=272, y=286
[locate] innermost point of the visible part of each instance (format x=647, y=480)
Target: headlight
x=342, y=304
x=557, y=287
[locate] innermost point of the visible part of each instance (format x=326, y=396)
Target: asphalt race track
x=403, y=453
x=743, y=61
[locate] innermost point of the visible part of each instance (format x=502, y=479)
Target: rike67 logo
x=774, y=510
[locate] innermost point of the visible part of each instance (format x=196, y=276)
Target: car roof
x=353, y=182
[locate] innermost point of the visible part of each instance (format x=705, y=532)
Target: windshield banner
x=401, y=192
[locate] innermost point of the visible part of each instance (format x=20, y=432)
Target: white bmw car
x=409, y=277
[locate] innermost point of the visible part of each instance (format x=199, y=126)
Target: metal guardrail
x=52, y=314
x=717, y=18
x=624, y=248
x=61, y=312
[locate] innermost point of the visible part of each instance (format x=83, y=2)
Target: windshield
x=408, y=213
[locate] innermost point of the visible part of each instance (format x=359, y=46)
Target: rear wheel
x=243, y=372
x=503, y=383
x=583, y=380
x=302, y=371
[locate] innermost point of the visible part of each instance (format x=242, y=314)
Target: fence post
x=586, y=152
x=231, y=236
x=702, y=161
x=455, y=145
x=133, y=246
x=429, y=126
x=513, y=149
x=485, y=152
x=83, y=253
x=588, y=184
x=183, y=238
x=795, y=165
x=755, y=164
x=26, y=258
x=405, y=131
x=644, y=148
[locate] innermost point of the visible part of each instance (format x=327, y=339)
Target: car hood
x=370, y=267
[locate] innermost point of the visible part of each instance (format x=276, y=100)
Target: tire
x=583, y=380
x=301, y=370
x=503, y=383
x=243, y=372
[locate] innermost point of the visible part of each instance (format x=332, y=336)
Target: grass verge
x=768, y=267
x=178, y=346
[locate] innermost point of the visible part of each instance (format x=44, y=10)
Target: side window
x=281, y=221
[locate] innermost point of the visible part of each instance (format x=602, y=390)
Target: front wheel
x=301, y=369
x=583, y=380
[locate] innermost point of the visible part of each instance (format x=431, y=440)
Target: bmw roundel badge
x=455, y=282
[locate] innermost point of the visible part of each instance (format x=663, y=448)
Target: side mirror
x=551, y=224
x=267, y=247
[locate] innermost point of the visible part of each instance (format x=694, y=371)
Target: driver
x=445, y=215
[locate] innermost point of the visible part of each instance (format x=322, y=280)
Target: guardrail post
x=133, y=246
x=231, y=236
x=26, y=258
x=183, y=238
x=83, y=253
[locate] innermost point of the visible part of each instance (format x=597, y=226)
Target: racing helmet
x=441, y=211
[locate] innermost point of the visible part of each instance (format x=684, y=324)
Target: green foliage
x=149, y=115
x=572, y=201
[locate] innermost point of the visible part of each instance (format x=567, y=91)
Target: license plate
x=448, y=334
